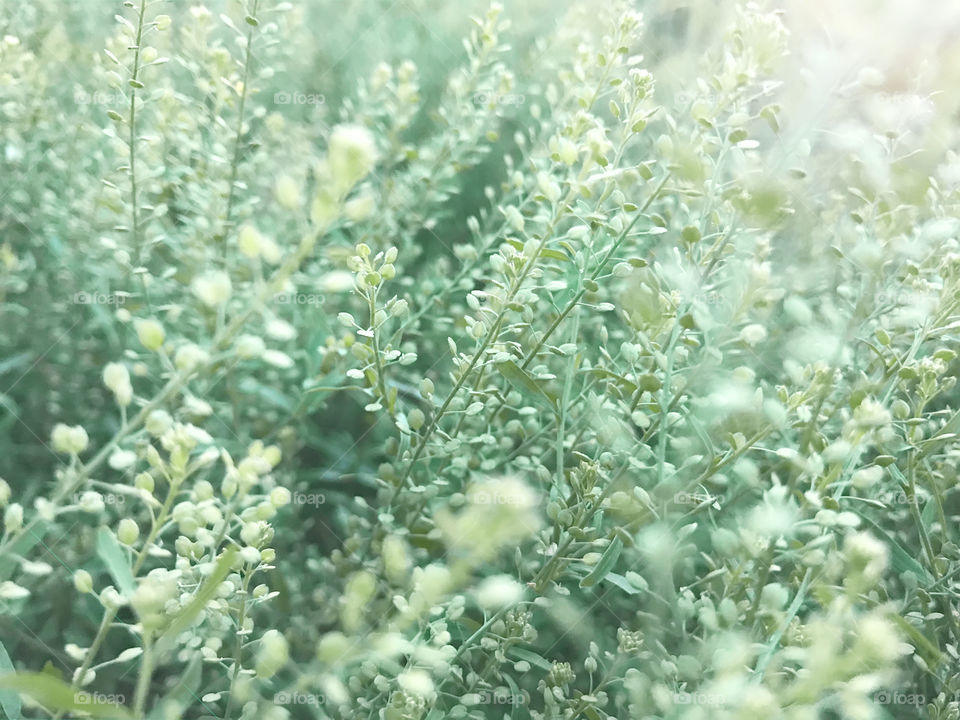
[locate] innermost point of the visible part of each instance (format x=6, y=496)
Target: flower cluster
x=569, y=361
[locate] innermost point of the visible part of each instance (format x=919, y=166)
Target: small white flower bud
x=417, y=682
x=69, y=439
x=288, y=193
x=83, y=581
x=110, y=598
x=213, y=288
x=144, y=481
x=250, y=555
x=13, y=518
x=273, y=654
x=128, y=531
x=250, y=346
x=92, y=502
x=158, y=422
x=753, y=334
x=150, y=333
x=189, y=357
x=498, y=591
x=117, y=378
x=249, y=241
x=351, y=155
x=279, y=497
x=416, y=419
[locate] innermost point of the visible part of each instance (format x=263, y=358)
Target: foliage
x=585, y=368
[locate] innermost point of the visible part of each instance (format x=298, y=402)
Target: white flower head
x=273, y=654
x=753, y=334
x=417, y=682
x=213, y=288
x=351, y=155
x=117, y=379
x=498, y=591
x=250, y=346
x=69, y=439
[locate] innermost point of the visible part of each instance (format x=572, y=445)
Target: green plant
x=576, y=371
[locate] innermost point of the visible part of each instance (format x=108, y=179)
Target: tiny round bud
x=280, y=496
x=212, y=288
x=13, y=518
x=287, y=192
x=83, y=581
x=127, y=531
x=144, y=481
x=416, y=418
x=250, y=346
x=273, y=654
x=150, y=333
x=69, y=439
x=158, y=422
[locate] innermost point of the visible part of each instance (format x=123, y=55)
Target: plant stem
x=237, y=648
x=238, y=136
x=143, y=680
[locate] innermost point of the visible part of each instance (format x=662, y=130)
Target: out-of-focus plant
x=576, y=369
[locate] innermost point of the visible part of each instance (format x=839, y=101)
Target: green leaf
x=621, y=582
x=605, y=564
x=268, y=394
x=55, y=694
x=183, y=694
x=530, y=657
x=900, y=559
x=8, y=562
x=113, y=556
x=204, y=595
x=15, y=362
x=9, y=699
x=516, y=693
x=551, y=254
x=519, y=378
x=933, y=655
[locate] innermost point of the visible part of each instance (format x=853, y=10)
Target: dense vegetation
x=427, y=360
